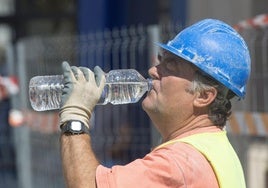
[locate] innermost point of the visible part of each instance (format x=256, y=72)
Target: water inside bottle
x=45, y=92
x=124, y=92
x=45, y=96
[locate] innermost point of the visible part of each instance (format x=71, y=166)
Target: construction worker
x=199, y=72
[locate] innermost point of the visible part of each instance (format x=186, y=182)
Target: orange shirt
x=174, y=165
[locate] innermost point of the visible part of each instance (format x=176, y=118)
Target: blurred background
x=36, y=36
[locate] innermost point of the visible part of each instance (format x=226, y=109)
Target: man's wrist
x=74, y=127
x=74, y=113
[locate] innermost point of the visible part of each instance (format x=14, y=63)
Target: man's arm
x=79, y=161
x=81, y=92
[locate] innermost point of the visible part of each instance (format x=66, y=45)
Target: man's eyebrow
x=170, y=58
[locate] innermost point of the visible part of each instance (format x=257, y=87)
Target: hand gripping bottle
x=122, y=86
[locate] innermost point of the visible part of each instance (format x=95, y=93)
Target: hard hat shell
x=217, y=49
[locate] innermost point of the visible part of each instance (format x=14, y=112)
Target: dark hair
x=220, y=108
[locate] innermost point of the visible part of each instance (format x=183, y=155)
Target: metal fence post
x=154, y=36
x=22, y=134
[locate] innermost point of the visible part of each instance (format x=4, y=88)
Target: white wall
x=229, y=11
x=257, y=165
x=6, y=7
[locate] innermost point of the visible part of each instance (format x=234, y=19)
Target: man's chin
x=145, y=103
x=148, y=105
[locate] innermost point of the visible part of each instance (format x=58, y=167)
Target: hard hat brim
x=240, y=94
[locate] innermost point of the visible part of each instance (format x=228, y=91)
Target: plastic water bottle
x=122, y=86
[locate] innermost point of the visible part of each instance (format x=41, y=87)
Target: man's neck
x=195, y=125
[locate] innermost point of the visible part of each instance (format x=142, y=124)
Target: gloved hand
x=81, y=92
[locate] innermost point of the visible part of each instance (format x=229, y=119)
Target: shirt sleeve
x=156, y=169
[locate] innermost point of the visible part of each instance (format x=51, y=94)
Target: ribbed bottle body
x=122, y=86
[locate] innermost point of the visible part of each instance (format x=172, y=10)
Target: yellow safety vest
x=221, y=156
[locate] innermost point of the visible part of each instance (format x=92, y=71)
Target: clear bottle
x=122, y=86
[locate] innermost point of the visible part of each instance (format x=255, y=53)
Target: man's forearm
x=79, y=161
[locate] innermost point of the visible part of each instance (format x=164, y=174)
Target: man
x=199, y=71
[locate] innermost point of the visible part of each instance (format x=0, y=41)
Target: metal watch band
x=74, y=127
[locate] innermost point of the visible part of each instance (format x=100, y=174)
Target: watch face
x=76, y=126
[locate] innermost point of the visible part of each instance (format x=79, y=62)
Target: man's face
x=170, y=97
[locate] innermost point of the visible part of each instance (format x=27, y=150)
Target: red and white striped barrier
x=259, y=21
x=44, y=122
x=240, y=123
x=8, y=86
x=248, y=123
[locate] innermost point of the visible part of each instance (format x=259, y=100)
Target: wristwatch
x=74, y=127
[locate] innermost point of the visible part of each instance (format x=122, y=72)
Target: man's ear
x=205, y=98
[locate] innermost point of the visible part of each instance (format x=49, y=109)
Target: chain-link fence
x=120, y=133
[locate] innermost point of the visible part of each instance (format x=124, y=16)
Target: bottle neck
x=150, y=83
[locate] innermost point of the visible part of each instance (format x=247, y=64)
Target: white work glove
x=81, y=92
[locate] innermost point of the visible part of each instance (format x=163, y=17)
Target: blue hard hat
x=216, y=49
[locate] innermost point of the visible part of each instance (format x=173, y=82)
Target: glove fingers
x=99, y=76
x=86, y=72
x=67, y=72
x=79, y=75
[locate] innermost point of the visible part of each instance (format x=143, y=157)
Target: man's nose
x=153, y=72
